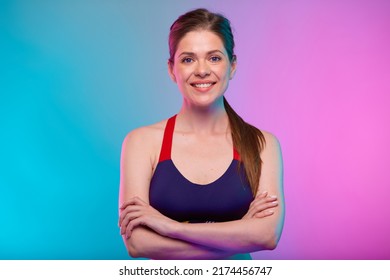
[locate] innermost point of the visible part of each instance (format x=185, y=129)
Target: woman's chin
x=205, y=101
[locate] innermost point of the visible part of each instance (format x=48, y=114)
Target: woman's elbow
x=270, y=237
x=268, y=242
x=271, y=242
x=132, y=250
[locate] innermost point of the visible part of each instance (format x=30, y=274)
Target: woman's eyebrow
x=193, y=54
x=214, y=51
x=187, y=53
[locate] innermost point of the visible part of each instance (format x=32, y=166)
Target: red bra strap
x=166, y=147
x=236, y=155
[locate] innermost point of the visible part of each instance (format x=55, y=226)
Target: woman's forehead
x=200, y=42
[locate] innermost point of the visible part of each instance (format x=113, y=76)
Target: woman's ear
x=170, y=71
x=233, y=65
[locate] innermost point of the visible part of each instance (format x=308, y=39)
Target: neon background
x=76, y=76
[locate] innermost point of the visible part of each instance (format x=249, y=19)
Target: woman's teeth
x=203, y=85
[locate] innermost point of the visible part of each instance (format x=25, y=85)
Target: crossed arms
x=147, y=233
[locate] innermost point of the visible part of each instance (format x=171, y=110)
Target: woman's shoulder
x=146, y=137
x=272, y=144
x=270, y=137
x=147, y=131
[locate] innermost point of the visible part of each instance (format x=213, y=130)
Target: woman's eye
x=215, y=58
x=187, y=60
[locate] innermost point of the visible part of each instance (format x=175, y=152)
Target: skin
x=202, y=134
x=201, y=58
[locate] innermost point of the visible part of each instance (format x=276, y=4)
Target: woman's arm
x=149, y=244
x=246, y=235
x=138, y=213
x=135, y=176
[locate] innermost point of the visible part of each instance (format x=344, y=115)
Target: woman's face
x=201, y=68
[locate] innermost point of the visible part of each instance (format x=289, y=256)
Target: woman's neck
x=209, y=120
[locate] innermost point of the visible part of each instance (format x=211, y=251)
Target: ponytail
x=249, y=141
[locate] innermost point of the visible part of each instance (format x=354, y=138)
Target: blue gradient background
x=77, y=76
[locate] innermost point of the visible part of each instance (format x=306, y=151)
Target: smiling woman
x=203, y=66
x=203, y=184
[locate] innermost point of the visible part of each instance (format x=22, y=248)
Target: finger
x=128, y=230
x=266, y=199
x=264, y=214
x=259, y=203
x=127, y=210
x=125, y=223
x=128, y=218
x=133, y=201
x=255, y=206
x=127, y=203
x=263, y=200
x=271, y=198
x=134, y=223
x=263, y=197
x=135, y=210
x=143, y=202
x=252, y=211
x=262, y=194
x=263, y=205
x=257, y=199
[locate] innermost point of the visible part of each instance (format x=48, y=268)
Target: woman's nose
x=202, y=69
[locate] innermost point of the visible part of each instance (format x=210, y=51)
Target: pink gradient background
x=317, y=74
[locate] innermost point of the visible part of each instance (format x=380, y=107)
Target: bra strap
x=166, y=147
x=236, y=155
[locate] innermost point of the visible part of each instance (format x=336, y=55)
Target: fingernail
x=262, y=194
x=273, y=196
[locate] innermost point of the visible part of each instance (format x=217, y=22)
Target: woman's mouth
x=204, y=85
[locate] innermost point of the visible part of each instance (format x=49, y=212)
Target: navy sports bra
x=174, y=196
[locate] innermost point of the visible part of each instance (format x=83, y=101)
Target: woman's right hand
x=261, y=206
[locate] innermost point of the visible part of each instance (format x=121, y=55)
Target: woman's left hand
x=262, y=206
x=136, y=212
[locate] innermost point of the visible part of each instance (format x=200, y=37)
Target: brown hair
x=247, y=139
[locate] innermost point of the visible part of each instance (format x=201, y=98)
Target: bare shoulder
x=146, y=140
x=140, y=151
x=146, y=135
x=271, y=142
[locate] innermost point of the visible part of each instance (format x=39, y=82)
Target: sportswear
x=225, y=199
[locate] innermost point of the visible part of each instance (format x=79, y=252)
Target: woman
x=182, y=195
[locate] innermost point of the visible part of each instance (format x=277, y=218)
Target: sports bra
x=225, y=199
